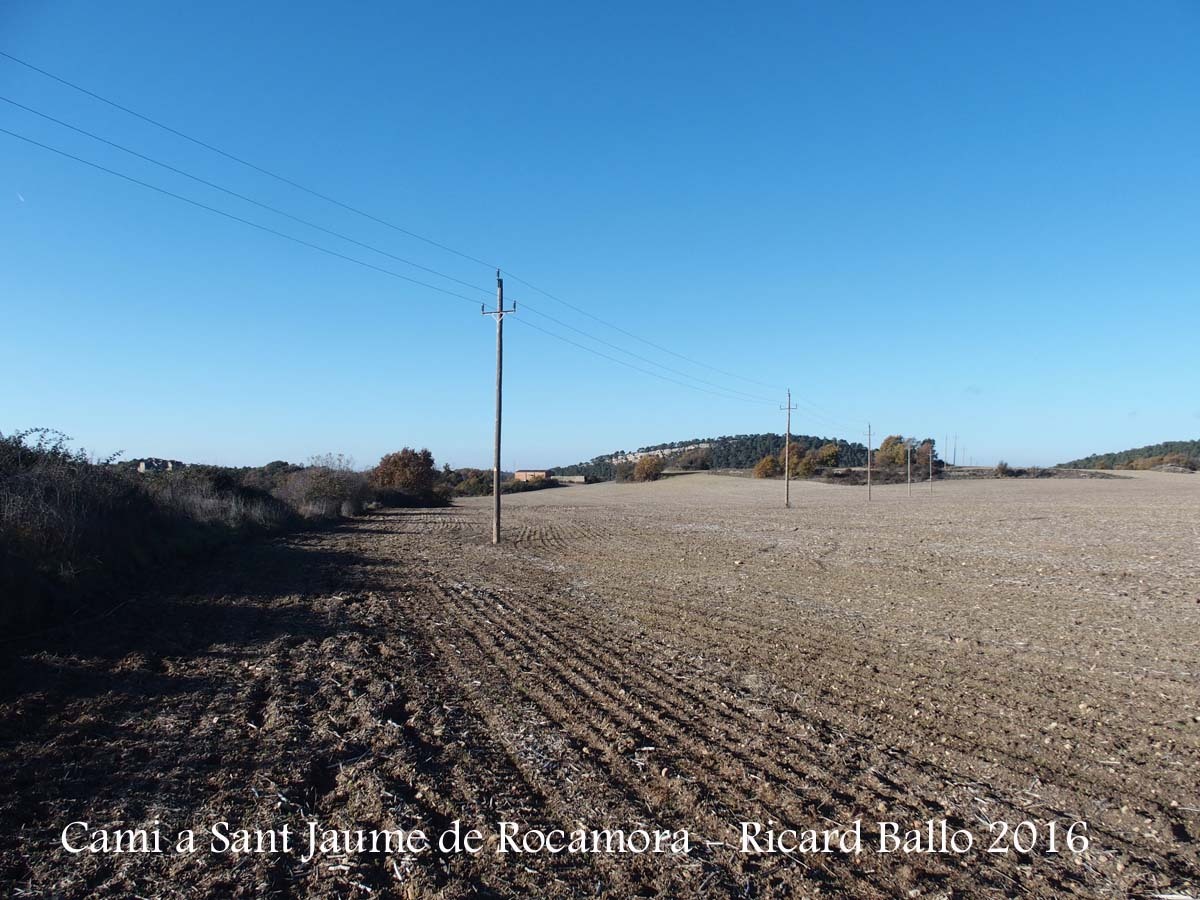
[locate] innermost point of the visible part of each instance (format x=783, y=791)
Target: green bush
x=696, y=459
x=469, y=482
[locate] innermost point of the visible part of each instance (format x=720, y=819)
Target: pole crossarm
x=498, y=313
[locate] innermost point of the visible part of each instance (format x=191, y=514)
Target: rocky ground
x=683, y=655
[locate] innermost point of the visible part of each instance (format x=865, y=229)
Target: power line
x=622, y=362
x=342, y=256
x=636, y=337
x=814, y=410
x=341, y=236
x=351, y=240
x=239, y=196
x=301, y=187
x=228, y=215
x=824, y=419
x=239, y=160
x=644, y=359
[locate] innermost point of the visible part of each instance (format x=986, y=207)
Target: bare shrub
x=319, y=491
x=329, y=487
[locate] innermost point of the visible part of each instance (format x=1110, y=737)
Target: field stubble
x=682, y=654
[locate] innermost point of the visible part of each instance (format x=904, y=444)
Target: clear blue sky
x=940, y=218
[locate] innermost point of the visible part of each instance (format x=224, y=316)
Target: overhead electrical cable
x=243, y=197
x=557, y=321
x=244, y=162
x=731, y=392
x=719, y=392
x=360, y=212
x=726, y=393
x=236, y=218
x=362, y=244
x=811, y=408
x=573, y=343
x=590, y=315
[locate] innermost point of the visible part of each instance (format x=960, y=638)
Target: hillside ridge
x=1178, y=453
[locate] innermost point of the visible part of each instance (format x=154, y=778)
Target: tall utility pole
x=954, y=458
x=787, y=454
x=931, y=467
x=868, y=462
x=498, y=313
x=908, y=460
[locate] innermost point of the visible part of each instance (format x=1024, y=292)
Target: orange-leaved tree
x=768, y=467
x=891, y=452
x=409, y=471
x=649, y=468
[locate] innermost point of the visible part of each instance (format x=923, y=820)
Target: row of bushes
x=1144, y=463
x=801, y=464
x=890, y=462
x=1185, y=454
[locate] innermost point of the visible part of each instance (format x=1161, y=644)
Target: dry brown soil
x=684, y=655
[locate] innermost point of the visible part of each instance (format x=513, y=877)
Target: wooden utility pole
x=498, y=313
x=931, y=467
x=908, y=460
x=868, y=462
x=787, y=454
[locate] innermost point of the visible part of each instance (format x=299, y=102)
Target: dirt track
x=682, y=654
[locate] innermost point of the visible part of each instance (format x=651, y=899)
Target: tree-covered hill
x=1180, y=453
x=740, y=451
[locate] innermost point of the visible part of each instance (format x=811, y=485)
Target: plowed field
x=683, y=655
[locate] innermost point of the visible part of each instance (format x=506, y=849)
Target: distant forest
x=740, y=451
x=1178, y=453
